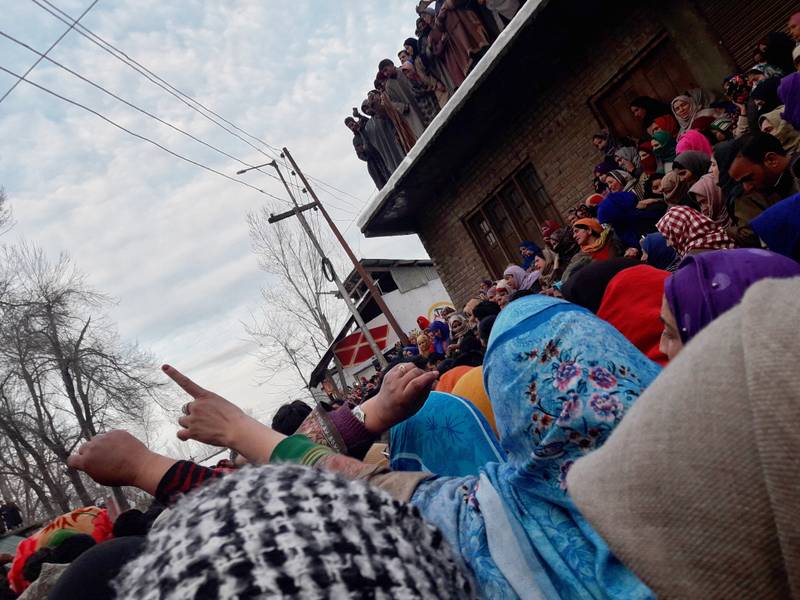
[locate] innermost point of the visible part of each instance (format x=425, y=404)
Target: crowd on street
x=616, y=417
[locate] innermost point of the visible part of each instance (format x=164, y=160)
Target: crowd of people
x=615, y=418
x=451, y=37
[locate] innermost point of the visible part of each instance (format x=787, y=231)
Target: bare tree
x=6, y=216
x=65, y=375
x=297, y=321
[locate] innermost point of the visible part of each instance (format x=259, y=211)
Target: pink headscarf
x=695, y=141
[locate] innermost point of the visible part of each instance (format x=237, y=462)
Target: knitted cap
x=292, y=532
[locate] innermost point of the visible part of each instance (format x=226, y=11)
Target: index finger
x=75, y=461
x=189, y=386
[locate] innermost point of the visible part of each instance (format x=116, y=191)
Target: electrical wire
x=152, y=77
x=127, y=103
x=46, y=52
x=137, y=135
x=177, y=93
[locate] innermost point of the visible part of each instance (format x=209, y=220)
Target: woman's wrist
x=253, y=440
x=152, y=469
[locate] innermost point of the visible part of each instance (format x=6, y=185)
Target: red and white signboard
x=354, y=349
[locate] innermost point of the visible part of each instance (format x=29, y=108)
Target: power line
x=53, y=45
x=323, y=183
x=127, y=103
x=142, y=70
x=136, y=135
x=172, y=90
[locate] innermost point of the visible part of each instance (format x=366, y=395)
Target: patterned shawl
x=560, y=381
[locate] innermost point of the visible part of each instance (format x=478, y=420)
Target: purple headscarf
x=709, y=284
x=789, y=93
x=440, y=343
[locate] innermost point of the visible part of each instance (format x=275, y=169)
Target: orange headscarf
x=470, y=386
x=448, y=381
x=598, y=247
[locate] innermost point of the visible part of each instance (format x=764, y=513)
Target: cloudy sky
x=167, y=240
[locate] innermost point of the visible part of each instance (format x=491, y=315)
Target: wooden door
x=487, y=244
x=503, y=223
x=659, y=72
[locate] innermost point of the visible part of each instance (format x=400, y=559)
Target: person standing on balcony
x=404, y=99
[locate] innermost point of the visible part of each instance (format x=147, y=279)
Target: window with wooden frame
x=514, y=212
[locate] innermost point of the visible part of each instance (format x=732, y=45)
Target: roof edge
x=496, y=51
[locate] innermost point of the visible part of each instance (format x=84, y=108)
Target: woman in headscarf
x=448, y=380
x=689, y=231
x=458, y=327
x=424, y=345
x=773, y=124
x=503, y=293
x=628, y=158
x=722, y=129
x=656, y=252
x=765, y=95
x=709, y=196
x=608, y=144
x=648, y=159
x=470, y=387
x=789, y=94
x=619, y=180
x=665, y=123
x=528, y=250
x=714, y=516
x=547, y=229
x=694, y=141
x=632, y=304
x=646, y=109
x=707, y=285
x=691, y=166
x=565, y=246
x=441, y=336
x=600, y=171
x=587, y=286
x=689, y=107
x=779, y=227
x=674, y=190
x=425, y=442
x=593, y=239
x=546, y=263
x=664, y=148
x=518, y=279
x=619, y=211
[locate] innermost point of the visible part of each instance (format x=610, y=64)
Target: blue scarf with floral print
x=559, y=380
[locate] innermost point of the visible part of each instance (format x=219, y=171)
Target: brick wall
x=554, y=134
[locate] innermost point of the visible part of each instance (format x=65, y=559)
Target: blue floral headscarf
x=559, y=380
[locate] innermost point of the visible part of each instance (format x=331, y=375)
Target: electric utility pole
x=327, y=266
x=365, y=276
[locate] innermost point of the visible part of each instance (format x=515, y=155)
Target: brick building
x=513, y=145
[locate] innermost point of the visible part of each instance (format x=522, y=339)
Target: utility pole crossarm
x=365, y=276
x=290, y=213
